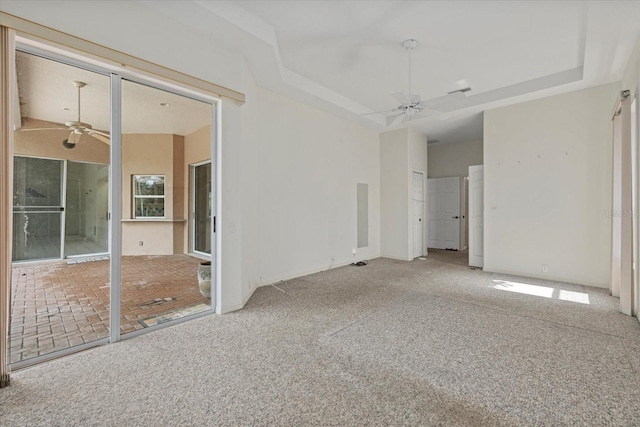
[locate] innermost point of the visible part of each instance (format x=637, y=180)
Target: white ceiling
x=346, y=56
x=47, y=93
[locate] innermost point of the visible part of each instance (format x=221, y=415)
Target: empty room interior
x=320, y=213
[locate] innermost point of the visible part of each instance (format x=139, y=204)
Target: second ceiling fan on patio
x=77, y=127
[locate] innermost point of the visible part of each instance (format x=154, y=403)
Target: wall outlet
x=354, y=252
x=545, y=268
x=141, y=243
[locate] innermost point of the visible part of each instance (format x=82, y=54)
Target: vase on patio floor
x=204, y=279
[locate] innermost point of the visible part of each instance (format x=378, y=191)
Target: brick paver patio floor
x=58, y=305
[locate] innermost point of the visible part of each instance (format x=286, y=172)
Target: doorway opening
x=444, y=212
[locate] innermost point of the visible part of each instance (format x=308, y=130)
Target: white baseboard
x=395, y=257
x=308, y=272
x=229, y=309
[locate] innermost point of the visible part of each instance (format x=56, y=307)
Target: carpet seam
x=395, y=302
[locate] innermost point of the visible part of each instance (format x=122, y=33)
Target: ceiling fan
x=77, y=127
x=410, y=106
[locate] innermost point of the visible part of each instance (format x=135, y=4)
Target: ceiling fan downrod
x=409, y=45
x=78, y=124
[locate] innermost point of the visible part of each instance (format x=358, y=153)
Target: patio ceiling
x=47, y=93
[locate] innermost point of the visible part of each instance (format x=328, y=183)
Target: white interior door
x=417, y=198
x=444, y=213
x=476, y=216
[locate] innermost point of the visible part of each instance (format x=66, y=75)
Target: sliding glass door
x=161, y=133
x=102, y=242
x=60, y=209
x=59, y=303
x=86, y=209
x=201, y=217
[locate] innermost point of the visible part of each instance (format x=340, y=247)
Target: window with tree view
x=148, y=196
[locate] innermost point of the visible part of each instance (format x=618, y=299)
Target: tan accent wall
x=156, y=237
x=180, y=193
x=146, y=154
x=153, y=154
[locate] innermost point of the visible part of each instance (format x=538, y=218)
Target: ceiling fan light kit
x=410, y=44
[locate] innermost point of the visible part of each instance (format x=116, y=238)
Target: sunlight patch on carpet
x=541, y=291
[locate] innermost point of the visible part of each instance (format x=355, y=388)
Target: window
x=148, y=196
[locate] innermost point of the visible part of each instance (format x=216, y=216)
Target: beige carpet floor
x=393, y=343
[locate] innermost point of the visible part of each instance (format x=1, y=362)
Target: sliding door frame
x=10, y=25
x=34, y=46
x=7, y=76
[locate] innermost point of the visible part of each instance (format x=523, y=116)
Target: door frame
x=424, y=215
x=475, y=259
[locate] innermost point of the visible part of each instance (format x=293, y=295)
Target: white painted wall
x=142, y=32
x=418, y=161
x=631, y=81
x=401, y=152
x=454, y=159
x=299, y=175
x=548, y=187
x=289, y=172
x=394, y=194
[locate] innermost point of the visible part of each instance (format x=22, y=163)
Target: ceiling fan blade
x=391, y=120
x=459, y=94
x=443, y=101
x=377, y=112
x=401, y=97
x=100, y=137
x=30, y=129
x=105, y=134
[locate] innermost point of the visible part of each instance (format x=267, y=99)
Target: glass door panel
x=37, y=208
x=86, y=211
x=58, y=304
x=202, y=209
x=162, y=134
